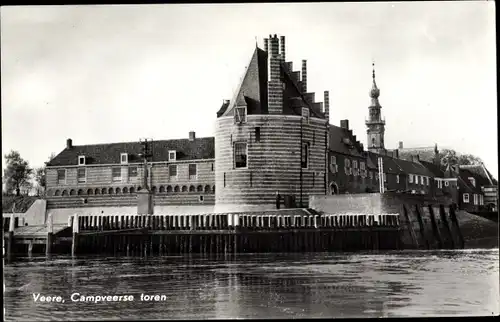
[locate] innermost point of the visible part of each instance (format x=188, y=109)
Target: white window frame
x=170, y=153
x=121, y=158
x=305, y=114
x=410, y=178
x=136, y=172
x=84, y=179
x=466, y=198
x=446, y=183
x=397, y=178
x=334, y=168
x=347, y=166
x=176, y=171
x=308, y=154
x=80, y=158
x=195, y=176
x=116, y=179
x=238, y=117
x=481, y=200
x=370, y=173
x=65, y=176
x=476, y=199
x=234, y=155
x=472, y=181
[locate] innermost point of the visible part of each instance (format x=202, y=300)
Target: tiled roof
x=435, y=169
x=424, y=153
x=479, y=172
x=199, y=148
x=342, y=142
x=399, y=166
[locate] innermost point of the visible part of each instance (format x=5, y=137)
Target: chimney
x=400, y=144
x=266, y=44
x=192, y=136
x=69, y=143
x=327, y=106
x=304, y=76
x=282, y=47
x=396, y=152
x=344, y=124
x=274, y=85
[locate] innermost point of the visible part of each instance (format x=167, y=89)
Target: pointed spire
x=374, y=92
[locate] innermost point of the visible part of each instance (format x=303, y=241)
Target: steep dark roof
x=435, y=169
x=252, y=90
x=341, y=141
x=200, y=148
x=424, y=153
x=479, y=172
x=399, y=166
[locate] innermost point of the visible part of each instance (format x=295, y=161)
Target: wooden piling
x=442, y=212
x=50, y=233
x=435, y=228
x=454, y=220
x=76, y=230
x=418, y=212
x=409, y=224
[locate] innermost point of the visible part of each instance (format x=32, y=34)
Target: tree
x=17, y=174
x=40, y=174
x=450, y=158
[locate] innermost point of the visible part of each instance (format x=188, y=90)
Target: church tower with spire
x=375, y=124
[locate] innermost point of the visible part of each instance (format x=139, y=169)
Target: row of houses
x=272, y=138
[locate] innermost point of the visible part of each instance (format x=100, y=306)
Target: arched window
x=118, y=190
x=213, y=189
x=162, y=189
x=110, y=191
x=153, y=189
x=207, y=189
x=104, y=191
x=199, y=188
x=97, y=191
x=169, y=189
x=57, y=193
x=373, y=142
x=80, y=192
x=125, y=190
x=90, y=192
x=65, y=192
x=192, y=189
x=139, y=188
x=176, y=189
x=49, y=193
x=72, y=192
x=132, y=190
x=184, y=188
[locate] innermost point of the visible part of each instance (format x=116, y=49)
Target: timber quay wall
x=298, y=230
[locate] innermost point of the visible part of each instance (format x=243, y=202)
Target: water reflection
x=418, y=283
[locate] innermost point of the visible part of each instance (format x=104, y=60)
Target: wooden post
x=454, y=220
x=422, y=226
x=50, y=232
x=410, y=226
x=442, y=212
x=76, y=230
x=435, y=227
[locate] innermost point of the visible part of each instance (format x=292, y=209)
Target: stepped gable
x=200, y=148
x=341, y=141
x=252, y=90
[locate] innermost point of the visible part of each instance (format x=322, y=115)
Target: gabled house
x=478, y=190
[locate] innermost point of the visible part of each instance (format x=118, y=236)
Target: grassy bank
x=22, y=203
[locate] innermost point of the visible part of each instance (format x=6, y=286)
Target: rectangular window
x=132, y=172
x=333, y=164
x=192, y=171
x=172, y=155
x=347, y=166
x=305, y=114
x=172, y=170
x=384, y=175
x=240, y=114
x=362, y=165
x=61, y=176
x=333, y=159
x=397, y=178
x=475, y=199
x=446, y=183
x=124, y=158
x=466, y=198
x=257, y=134
x=410, y=178
x=240, y=155
x=81, y=160
x=371, y=175
x=472, y=181
x=212, y=167
x=481, y=200
x=305, y=155
x=82, y=175
x=116, y=174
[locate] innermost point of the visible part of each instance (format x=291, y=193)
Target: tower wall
x=273, y=164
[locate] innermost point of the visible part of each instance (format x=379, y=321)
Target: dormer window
x=240, y=114
x=81, y=160
x=124, y=158
x=305, y=114
x=472, y=181
x=172, y=155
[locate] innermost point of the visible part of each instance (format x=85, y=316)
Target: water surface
x=355, y=285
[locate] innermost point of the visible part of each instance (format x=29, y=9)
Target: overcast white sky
x=102, y=74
